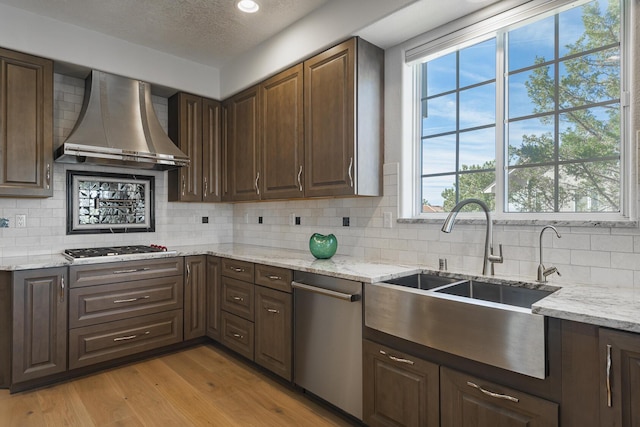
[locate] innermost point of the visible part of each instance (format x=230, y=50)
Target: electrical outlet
x=297, y=220
x=387, y=220
x=345, y=221
x=205, y=220
x=259, y=220
x=21, y=221
x=292, y=219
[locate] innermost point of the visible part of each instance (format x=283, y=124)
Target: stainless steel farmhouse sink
x=487, y=322
x=423, y=281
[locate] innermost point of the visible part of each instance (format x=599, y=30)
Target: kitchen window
x=530, y=116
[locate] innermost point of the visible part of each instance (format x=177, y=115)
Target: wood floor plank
x=144, y=400
x=199, y=386
x=61, y=406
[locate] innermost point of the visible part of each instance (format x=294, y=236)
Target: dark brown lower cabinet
x=273, y=330
x=39, y=323
x=237, y=334
x=195, y=301
x=399, y=389
x=468, y=401
x=213, y=297
x=620, y=378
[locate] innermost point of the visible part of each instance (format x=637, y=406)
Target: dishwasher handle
x=325, y=292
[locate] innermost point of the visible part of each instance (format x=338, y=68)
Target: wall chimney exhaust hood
x=118, y=127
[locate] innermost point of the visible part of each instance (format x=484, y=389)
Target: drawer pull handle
x=397, y=359
x=609, y=400
x=237, y=298
x=128, y=337
x=237, y=269
x=492, y=394
x=238, y=336
x=131, y=270
x=272, y=277
x=62, y=286
x=273, y=310
x=120, y=301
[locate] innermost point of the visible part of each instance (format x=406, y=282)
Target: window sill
x=523, y=222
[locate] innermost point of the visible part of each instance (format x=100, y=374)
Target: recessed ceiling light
x=248, y=6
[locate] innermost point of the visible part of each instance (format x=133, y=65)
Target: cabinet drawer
x=240, y=270
x=237, y=298
x=237, y=334
x=463, y=397
x=99, y=343
x=115, y=272
x=105, y=303
x=273, y=277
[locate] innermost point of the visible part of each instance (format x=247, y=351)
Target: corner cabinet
x=241, y=146
x=195, y=290
x=195, y=127
x=39, y=323
x=343, y=120
x=620, y=378
x=26, y=125
x=399, y=389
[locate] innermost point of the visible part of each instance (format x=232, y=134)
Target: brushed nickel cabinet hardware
x=397, y=359
x=238, y=336
x=272, y=277
x=236, y=269
x=235, y=298
x=206, y=187
x=48, y=176
x=273, y=310
x=132, y=270
x=351, y=171
x=299, y=178
x=184, y=185
x=120, y=301
x=492, y=394
x=609, y=399
x=256, y=185
x=62, y=286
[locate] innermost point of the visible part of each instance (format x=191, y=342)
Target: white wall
x=38, y=35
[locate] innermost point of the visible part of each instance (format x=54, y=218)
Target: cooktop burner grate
x=112, y=251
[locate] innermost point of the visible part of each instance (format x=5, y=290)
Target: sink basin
x=503, y=294
x=486, y=322
x=423, y=281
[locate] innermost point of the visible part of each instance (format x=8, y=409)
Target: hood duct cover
x=118, y=127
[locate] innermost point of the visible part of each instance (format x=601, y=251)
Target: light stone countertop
x=617, y=308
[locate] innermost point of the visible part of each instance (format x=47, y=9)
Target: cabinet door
x=213, y=297
x=399, y=389
x=39, y=323
x=242, y=145
x=195, y=296
x=468, y=401
x=329, y=80
x=211, y=151
x=620, y=378
x=185, y=130
x=26, y=129
x=282, y=135
x=273, y=331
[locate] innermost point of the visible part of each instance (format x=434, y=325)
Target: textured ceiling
x=210, y=32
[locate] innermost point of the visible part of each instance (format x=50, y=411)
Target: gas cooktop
x=73, y=254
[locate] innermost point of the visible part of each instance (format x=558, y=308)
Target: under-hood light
x=248, y=6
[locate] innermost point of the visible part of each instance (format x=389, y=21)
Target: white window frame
x=480, y=26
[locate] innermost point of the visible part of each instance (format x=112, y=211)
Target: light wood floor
x=200, y=386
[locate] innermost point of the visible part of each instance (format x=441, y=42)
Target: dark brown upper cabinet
x=282, y=135
x=241, y=146
x=26, y=125
x=343, y=119
x=195, y=127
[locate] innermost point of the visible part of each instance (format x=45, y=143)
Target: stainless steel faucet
x=489, y=257
x=542, y=271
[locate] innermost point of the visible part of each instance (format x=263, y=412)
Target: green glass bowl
x=323, y=247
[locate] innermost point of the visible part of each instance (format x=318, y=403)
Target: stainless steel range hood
x=118, y=127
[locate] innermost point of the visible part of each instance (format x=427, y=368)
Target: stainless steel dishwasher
x=328, y=339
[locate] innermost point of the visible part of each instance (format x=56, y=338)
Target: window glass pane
x=478, y=106
x=439, y=154
x=591, y=133
x=477, y=148
x=531, y=141
x=591, y=25
x=531, y=44
x=590, y=187
x=530, y=189
x=531, y=92
x=434, y=190
x=478, y=63
x=590, y=79
x=441, y=75
x=477, y=185
x=439, y=115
